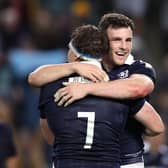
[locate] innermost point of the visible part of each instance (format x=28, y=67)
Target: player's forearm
x=122, y=88
x=114, y=89
x=49, y=73
x=152, y=121
x=157, y=127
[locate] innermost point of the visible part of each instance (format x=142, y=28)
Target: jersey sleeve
x=42, y=101
x=141, y=67
x=136, y=105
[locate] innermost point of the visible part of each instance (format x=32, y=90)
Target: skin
x=121, y=45
x=48, y=73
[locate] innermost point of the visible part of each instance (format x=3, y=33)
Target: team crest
x=124, y=74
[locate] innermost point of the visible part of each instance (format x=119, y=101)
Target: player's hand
x=92, y=72
x=70, y=93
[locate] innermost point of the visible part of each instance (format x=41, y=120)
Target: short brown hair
x=88, y=39
x=115, y=20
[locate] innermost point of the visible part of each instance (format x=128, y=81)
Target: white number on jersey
x=90, y=127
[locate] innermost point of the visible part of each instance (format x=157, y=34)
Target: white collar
x=130, y=59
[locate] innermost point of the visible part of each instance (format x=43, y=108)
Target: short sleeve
x=141, y=67
x=42, y=102
x=42, y=112
x=136, y=105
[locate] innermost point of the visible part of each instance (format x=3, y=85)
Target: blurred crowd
x=37, y=32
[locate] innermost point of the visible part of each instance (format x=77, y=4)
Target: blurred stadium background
x=36, y=32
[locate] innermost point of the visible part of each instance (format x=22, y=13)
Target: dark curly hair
x=115, y=20
x=88, y=39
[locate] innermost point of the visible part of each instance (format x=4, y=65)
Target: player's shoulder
x=141, y=67
x=48, y=90
x=141, y=63
x=53, y=86
x=132, y=62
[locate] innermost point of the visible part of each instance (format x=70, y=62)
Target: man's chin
x=118, y=63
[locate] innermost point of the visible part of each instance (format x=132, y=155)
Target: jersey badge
x=124, y=74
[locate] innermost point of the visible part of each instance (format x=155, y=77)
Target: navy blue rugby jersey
x=88, y=129
x=131, y=139
x=7, y=147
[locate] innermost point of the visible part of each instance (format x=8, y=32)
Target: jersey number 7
x=90, y=127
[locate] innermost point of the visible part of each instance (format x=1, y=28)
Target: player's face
x=120, y=44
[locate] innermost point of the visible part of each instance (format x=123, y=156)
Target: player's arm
x=136, y=86
x=139, y=84
x=46, y=131
x=148, y=116
x=48, y=73
x=133, y=87
x=130, y=88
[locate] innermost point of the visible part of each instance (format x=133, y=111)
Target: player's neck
x=108, y=65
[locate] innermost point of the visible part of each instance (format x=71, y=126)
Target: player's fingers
x=63, y=100
x=100, y=76
x=65, y=83
x=68, y=102
x=59, y=94
x=104, y=76
x=56, y=96
x=97, y=78
x=93, y=78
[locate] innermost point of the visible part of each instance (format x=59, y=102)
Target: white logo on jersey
x=78, y=79
x=124, y=74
